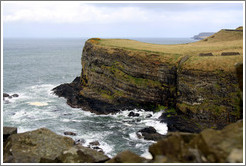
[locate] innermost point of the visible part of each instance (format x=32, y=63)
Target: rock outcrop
x=209, y=146
x=203, y=89
x=43, y=145
x=149, y=133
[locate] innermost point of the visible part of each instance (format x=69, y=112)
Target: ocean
x=33, y=67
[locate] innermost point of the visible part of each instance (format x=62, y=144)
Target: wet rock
x=127, y=157
x=5, y=95
x=15, y=95
x=80, y=154
x=149, y=133
x=132, y=114
x=94, y=143
x=210, y=146
x=30, y=147
x=229, y=53
x=7, y=131
x=69, y=133
x=79, y=141
x=148, y=116
x=67, y=114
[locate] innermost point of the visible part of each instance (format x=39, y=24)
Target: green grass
x=222, y=41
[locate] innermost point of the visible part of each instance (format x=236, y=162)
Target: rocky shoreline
x=201, y=98
x=44, y=146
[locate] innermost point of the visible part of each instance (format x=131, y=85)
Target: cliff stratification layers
x=196, y=79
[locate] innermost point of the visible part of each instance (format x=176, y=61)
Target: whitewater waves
x=37, y=107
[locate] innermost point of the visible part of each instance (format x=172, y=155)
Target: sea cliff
x=196, y=84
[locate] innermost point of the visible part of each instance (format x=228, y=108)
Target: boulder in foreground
x=43, y=145
x=209, y=146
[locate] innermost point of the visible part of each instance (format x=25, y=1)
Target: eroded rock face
x=114, y=79
x=216, y=146
x=212, y=99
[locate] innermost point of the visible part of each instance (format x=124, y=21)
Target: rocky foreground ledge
x=44, y=146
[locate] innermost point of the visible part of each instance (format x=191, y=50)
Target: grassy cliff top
x=222, y=41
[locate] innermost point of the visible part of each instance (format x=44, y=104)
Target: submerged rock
x=133, y=114
x=94, y=143
x=15, y=95
x=69, y=133
x=79, y=141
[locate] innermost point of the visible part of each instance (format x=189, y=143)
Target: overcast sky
x=123, y=20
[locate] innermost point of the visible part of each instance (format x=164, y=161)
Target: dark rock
x=15, y=95
x=149, y=130
x=94, y=143
x=5, y=95
x=7, y=131
x=206, y=54
x=180, y=123
x=67, y=114
x=69, y=133
x=229, y=53
x=209, y=146
x=30, y=147
x=127, y=157
x=148, y=116
x=133, y=114
x=239, y=70
x=149, y=133
x=80, y=154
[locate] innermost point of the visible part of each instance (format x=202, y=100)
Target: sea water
x=33, y=67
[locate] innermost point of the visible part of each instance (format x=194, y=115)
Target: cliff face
x=126, y=77
x=126, y=74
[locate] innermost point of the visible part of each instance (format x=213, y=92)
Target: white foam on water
x=160, y=127
x=133, y=136
x=107, y=149
x=147, y=155
x=65, y=120
x=39, y=104
x=157, y=114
